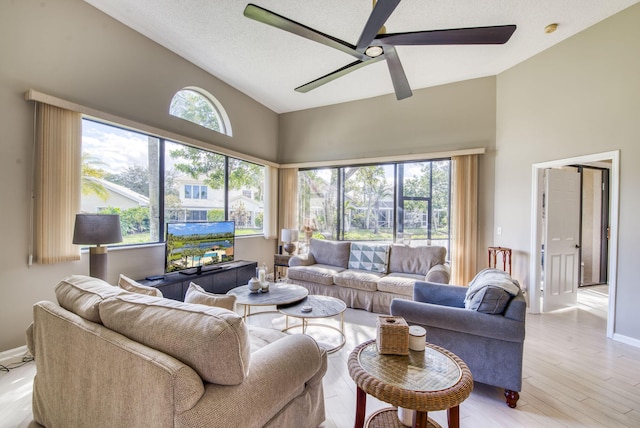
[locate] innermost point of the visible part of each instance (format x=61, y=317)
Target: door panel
x=561, y=239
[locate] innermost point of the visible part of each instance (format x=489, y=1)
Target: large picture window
x=393, y=202
x=150, y=181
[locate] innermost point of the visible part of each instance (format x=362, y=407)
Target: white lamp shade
x=294, y=235
x=285, y=235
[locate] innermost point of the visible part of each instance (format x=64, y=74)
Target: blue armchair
x=491, y=345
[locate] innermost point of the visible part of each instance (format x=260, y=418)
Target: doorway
x=594, y=225
x=535, y=271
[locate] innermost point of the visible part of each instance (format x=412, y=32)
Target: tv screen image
x=192, y=246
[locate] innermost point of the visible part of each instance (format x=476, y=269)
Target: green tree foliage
x=194, y=107
x=91, y=172
x=215, y=215
x=132, y=220
x=135, y=177
x=367, y=189
x=200, y=163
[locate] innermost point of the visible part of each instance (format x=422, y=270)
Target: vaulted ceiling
x=267, y=63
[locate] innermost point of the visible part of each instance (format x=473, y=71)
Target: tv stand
x=215, y=279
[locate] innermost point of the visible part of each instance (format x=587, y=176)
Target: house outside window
x=121, y=174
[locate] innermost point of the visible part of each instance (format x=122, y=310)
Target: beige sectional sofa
x=109, y=357
x=367, y=276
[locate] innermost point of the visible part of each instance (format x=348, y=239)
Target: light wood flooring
x=573, y=376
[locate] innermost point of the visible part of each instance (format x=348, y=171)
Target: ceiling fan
x=375, y=45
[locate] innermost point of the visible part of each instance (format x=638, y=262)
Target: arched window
x=200, y=107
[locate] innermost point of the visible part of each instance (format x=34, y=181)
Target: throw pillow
x=489, y=300
x=135, y=287
x=196, y=294
x=374, y=258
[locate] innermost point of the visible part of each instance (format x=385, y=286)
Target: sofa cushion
x=82, y=294
x=129, y=284
x=371, y=257
x=399, y=283
x=358, y=279
x=321, y=274
x=196, y=294
x=416, y=260
x=333, y=253
x=213, y=341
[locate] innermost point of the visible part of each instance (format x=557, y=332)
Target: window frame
x=161, y=179
x=222, y=117
x=399, y=199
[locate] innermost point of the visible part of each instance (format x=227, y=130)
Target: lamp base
x=289, y=247
x=98, y=262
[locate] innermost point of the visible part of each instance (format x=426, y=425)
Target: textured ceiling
x=267, y=63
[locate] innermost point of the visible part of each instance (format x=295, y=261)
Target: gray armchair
x=491, y=345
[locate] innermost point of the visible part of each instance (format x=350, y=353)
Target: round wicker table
x=429, y=380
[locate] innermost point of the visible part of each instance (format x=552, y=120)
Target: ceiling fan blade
x=338, y=73
x=398, y=77
x=381, y=12
x=265, y=16
x=495, y=35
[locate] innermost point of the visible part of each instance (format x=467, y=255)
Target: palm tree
x=91, y=173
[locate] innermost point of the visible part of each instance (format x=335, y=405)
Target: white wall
x=69, y=49
x=578, y=98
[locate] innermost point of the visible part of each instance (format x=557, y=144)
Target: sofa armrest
x=439, y=273
x=439, y=294
x=278, y=373
x=31, y=347
x=302, y=260
x=459, y=320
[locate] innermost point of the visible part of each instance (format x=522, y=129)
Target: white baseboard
x=626, y=339
x=13, y=355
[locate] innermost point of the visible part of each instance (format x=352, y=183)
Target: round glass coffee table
x=279, y=293
x=315, y=307
x=429, y=380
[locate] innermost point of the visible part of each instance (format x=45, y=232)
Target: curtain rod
x=386, y=159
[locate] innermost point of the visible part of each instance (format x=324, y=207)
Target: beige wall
x=69, y=49
x=580, y=97
x=449, y=117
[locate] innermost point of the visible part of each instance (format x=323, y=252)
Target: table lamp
x=288, y=237
x=97, y=229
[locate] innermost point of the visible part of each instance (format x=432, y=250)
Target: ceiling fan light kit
x=375, y=44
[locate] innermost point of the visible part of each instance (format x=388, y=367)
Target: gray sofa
x=489, y=338
x=108, y=357
x=367, y=276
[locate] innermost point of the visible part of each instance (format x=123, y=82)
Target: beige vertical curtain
x=464, y=219
x=271, y=202
x=57, y=183
x=288, y=191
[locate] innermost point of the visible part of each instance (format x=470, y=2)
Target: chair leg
x=511, y=398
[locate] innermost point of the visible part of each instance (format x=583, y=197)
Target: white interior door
x=561, y=239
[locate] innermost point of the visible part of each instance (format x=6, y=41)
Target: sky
x=123, y=148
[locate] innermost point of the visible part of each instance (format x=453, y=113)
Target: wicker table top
x=435, y=379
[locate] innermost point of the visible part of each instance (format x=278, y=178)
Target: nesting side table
x=429, y=380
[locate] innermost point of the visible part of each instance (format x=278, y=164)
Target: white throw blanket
x=492, y=277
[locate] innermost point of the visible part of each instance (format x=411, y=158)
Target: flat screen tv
x=196, y=246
